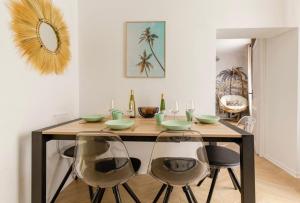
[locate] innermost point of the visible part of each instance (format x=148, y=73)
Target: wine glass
x=112, y=106
x=190, y=106
x=175, y=110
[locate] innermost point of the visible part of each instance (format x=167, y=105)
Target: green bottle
x=162, y=104
x=132, y=105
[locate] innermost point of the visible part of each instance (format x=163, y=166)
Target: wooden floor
x=273, y=185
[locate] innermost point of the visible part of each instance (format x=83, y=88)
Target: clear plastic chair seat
x=178, y=171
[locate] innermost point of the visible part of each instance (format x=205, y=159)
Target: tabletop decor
x=177, y=124
x=148, y=111
x=119, y=124
x=145, y=50
x=41, y=34
x=93, y=118
x=207, y=119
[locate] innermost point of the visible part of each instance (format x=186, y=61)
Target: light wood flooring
x=273, y=185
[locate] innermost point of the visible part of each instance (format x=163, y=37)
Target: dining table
x=144, y=130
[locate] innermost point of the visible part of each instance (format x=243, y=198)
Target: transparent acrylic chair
x=67, y=152
x=178, y=159
x=221, y=157
x=103, y=170
x=247, y=123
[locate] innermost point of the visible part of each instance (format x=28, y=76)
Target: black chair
x=221, y=157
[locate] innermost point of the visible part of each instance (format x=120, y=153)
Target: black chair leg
x=192, y=194
x=234, y=179
x=131, y=193
x=168, y=193
x=162, y=189
x=91, y=192
x=117, y=194
x=95, y=197
x=211, y=190
x=100, y=195
x=187, y=194
x=62, y=184
x=200, y=182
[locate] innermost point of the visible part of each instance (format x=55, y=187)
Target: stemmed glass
x=175, y=110
x=112, y=106
x=190, y=106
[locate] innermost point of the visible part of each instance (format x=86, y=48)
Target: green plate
x=92, y=118
x=119, y=124
x=207, y=119
x=177, y=124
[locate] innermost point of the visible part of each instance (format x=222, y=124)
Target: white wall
x=190, y=48
x=28, y=102
x=281, y=105
x=232, y=53
x=292, y=13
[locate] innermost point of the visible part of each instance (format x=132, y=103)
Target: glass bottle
x=162, y=104
x=132, y=108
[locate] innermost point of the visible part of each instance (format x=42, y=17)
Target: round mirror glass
x=48, y=37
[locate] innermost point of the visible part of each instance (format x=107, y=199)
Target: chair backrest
x=179, y=158
x=102, y=160
x=247, y=123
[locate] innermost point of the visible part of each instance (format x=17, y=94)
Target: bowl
x=92, y=118
x=148, y=111
x=207, y=119
x=177, y=124
x=119, y=124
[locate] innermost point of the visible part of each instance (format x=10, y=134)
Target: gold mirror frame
x=27, y=16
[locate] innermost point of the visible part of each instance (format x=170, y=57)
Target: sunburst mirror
x=41, y=34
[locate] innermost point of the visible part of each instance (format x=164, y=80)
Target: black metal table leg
x=38, y=168
x=162, y=189
x=247, y=169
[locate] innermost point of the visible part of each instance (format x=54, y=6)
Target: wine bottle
x=162, y=104
x=132, y=105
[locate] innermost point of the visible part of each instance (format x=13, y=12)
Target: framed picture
x=145, y=49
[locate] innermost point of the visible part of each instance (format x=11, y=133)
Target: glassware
x=175, y=110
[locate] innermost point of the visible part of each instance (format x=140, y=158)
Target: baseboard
x=282, y=166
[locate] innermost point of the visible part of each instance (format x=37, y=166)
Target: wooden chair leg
x=211, y=190
x=117, y=194
x=162, y=189
x=168, y=193
x=234, y=179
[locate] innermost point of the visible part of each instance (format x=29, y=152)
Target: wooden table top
x=142, y=127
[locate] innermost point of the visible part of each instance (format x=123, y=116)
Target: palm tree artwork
x=144, y=63
x=149, y=38
x=145, y=49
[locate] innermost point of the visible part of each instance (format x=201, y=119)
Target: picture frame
x=145, y=49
